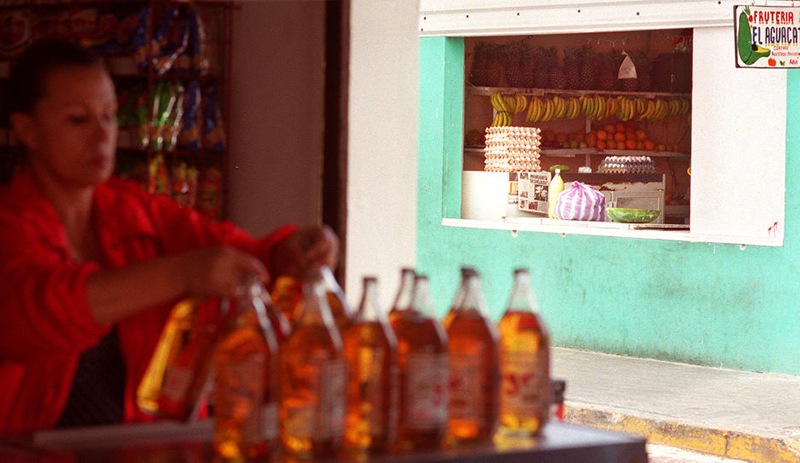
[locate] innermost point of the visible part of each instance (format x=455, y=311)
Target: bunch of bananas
x=592, y=107
x=512, y=104
x=652, y=109
x=543, y=109
x=506, y=106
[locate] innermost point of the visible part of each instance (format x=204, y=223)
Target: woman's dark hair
x=26, y=80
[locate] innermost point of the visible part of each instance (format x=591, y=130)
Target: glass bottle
x=524, y=363
x=474, y=364
x=246, y=385
x=424, y=372
x=174, y=336
x=337, y=301
x=402, y=300
x=312, y=378
x=287, y=292
x=186, y=372
x=462, y=288
x=370, y=348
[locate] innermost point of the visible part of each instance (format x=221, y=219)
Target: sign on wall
x=767, y=37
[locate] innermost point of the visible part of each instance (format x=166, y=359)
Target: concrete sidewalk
x=743, y=415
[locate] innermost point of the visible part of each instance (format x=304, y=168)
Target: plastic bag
x=581, y=202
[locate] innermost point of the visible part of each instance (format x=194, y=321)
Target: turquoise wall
x=699, y=303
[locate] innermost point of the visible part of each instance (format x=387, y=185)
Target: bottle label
x=466, y=387
x=370, y=387
x=176, y=382
x=269, y=420
x=525, y=387
x=241, y=396
x=428, y=375
x=332, y=398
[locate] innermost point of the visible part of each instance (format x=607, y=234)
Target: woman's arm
x=213, y=271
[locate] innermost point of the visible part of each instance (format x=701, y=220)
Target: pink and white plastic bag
x=581, y=202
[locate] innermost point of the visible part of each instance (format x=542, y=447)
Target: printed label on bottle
x=427, y=394
x=466, y=387
x=269, y=421
x=524, y=382
x=370, y=387
x=245, y=381
x=332, y=399
x=176, y=382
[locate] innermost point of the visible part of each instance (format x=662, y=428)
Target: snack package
x=159, y=179
x=209, y=190
x=213, y=130
x=581, y=202
x=180, y=183
x=163, y=105
x=193, y=60
x=190, y=135
x=173, y=122
x=170, y=40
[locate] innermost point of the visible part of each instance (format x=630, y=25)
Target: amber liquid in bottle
x=186, y=376
x=524, y=364
x=370, y=348
x=474, y=377
x=424, y=373
x=474, y=366
x=246, y=386
x=312, y=380
x=174, y=336
x=287, y=293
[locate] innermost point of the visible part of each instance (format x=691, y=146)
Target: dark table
x=178, y=443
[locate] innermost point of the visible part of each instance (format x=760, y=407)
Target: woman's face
x=71, y=135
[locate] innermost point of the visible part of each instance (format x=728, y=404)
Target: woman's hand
x=220, y=271
x=307, y=249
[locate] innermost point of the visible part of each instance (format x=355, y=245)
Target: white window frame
x=738, y=173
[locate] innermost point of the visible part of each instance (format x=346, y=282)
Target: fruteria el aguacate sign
x=767, y=37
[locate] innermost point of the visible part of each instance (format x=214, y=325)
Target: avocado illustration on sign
x=749, y=52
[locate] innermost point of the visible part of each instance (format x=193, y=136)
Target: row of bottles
x=313, y=377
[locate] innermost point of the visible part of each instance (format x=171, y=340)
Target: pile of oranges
x=612, y=136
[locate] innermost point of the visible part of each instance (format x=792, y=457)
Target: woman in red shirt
x=90, y=265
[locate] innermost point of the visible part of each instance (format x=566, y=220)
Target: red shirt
x=45, y=321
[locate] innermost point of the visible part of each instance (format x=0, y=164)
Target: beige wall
x=276, y=133
x=382, y=142
x=276, y=114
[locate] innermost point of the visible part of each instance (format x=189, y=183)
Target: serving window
x=717, y=137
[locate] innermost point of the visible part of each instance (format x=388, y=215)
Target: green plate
x=627, y=215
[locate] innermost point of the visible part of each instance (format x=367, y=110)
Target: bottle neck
x=472, y=299
x=421, y=301
x=522, y=297
x=369, y=310
x=403, y=299
x=315, y=309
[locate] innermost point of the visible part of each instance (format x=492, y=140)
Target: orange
x=601, y=145
x=610, y=128
x=602, y=135
x=630, y=144
x=640, y=134
x=591, y=139
x=649, y=145
x=612, y=144
x=620, y=127
x=619, y=136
